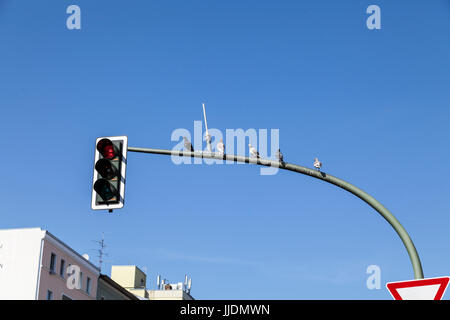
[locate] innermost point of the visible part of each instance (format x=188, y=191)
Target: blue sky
x=373, y=105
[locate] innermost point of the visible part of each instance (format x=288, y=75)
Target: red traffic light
x=108, y=187
x=106, y=149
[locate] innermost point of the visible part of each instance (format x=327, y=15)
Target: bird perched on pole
x=220, y=147
x=208, y=141
x=188, y=145
x=317, y=164
x=253, y=152
x=280, y=156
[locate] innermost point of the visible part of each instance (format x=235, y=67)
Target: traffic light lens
x=106, y=148
x=105, y=189
x=108, y=152
x=106, y=169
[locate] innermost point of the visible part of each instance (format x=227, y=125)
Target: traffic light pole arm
x=413, y=255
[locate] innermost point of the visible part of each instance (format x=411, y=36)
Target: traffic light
x=108, y=187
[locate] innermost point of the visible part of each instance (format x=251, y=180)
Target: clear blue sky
x=373, y=105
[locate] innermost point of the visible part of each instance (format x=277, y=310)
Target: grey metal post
x=388, y=216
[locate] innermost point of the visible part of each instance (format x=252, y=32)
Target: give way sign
x=421, y=289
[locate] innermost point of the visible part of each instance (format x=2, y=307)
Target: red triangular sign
x=421, y=289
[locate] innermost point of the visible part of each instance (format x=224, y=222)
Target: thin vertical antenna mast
x=204, y=115
x=101, y=250
x=207, y=136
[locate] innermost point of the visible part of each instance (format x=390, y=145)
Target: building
x=131, y=278
x=34, y=265
x=108, y=289
x=169, y=294
x=134, y=280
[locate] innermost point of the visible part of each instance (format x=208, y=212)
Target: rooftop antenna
x=207, y=135
x=101, y=250
x=189, y=285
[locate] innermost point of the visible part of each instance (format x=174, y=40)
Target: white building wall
x=20, y=263
x=168, y=295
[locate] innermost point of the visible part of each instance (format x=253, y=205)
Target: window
x=61, y=268
x=49, y=295
x=52, y=263
x=88, y=285
x=80, y=284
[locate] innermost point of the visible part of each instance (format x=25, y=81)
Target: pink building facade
x=53, y=279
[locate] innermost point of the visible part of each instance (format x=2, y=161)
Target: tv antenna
x=101, y=250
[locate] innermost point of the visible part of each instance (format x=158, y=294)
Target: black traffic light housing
x=108, y=187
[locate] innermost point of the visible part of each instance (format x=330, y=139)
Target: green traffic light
x=105, y=189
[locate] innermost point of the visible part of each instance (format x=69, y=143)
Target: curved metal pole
x=413, y=255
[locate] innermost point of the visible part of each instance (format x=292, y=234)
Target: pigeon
x=253, y=152
x=317, y=164
x=280, y=156
x=208, y=141
x=188, y=145
x=220, y=147
x=207, y=137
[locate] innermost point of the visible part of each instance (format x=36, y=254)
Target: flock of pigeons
x=220, y=147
